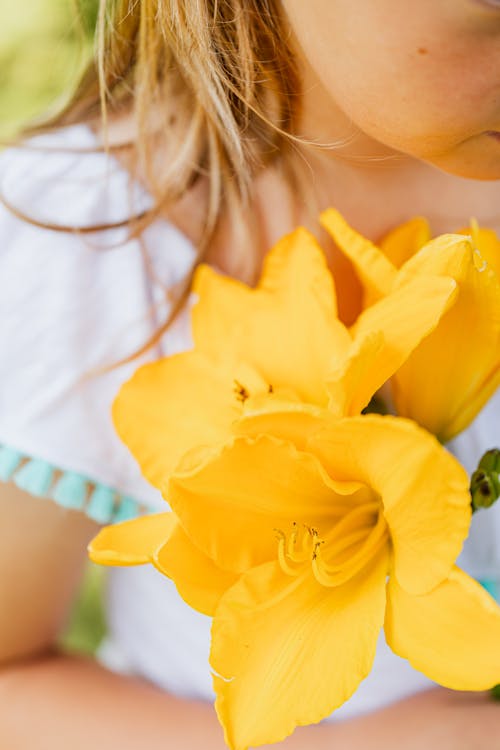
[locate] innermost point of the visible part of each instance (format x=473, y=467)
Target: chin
x=473, y=172
x=479, y=164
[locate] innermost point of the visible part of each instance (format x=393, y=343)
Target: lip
x=493, y=134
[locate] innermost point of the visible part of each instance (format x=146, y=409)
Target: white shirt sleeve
x=71, y=302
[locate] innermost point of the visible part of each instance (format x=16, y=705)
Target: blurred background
x=43, y=45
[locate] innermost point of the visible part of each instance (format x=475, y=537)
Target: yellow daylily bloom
x=278, y=346
x=159, y=539
x=404, y=241
x=309, y=525
x=488, y=244
x=453, y=372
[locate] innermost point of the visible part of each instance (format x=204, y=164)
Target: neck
x=375, y=186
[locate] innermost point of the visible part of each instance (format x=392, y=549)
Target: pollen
x=337, y=556
x=295, y=550
x=241, y=392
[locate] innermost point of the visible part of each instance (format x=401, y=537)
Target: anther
x=241, y=392
x=279, y=534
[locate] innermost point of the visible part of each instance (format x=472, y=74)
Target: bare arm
x=42, y=555
x=436, y=718
x=55, y=702
x=60, y=702
x=75, y=703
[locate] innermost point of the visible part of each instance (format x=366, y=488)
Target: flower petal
x=402, y=320
x=488, y=244
x=289, y=651
x=172, y=405
x=284, y=419
x=132, y=542
x=287, y=328
x=441, y=385
x=401, y=243
x=424, y=490
x=470, y=410
x=199, y=581
x=354, y=383
x=376, y=272
x=232, y=505
x=451, y=634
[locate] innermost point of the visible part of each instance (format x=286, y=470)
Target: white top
x=68, y=304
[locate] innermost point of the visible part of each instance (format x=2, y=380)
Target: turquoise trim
x=35, y=477
x=9, y=461
x=101, y=504
x=129, y=508
x=71, y=490
x=104, y=504
x=492, y=586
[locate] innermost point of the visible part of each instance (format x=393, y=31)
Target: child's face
x=420, y=77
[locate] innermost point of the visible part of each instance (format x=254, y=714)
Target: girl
x=228, y=123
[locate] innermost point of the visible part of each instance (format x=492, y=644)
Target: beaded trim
x=492, y=586
x=67, y=488
x=98, y=501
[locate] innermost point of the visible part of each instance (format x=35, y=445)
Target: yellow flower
x=455, y=370
x=403, y=242
x=278, y=346
x=287, y=516
x=287, y=541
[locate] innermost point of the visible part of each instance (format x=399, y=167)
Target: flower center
x=335, y=557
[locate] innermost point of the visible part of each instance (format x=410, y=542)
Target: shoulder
x=65, y=179
x=73, y=301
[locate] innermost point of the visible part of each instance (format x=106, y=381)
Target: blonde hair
x=212, y=82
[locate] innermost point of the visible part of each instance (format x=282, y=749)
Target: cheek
x=417, y=102
x=404, y=76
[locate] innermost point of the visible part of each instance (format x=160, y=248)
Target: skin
x=408, y=93
x=415, y=87
x=419, y=79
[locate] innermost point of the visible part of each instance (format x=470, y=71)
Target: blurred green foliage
x=87, y=625
x=43, y=44
x=88, y=13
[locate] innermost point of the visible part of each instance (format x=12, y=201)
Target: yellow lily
x=451, y=375
x=292, y=537
x=403, y=242
x=278, y=346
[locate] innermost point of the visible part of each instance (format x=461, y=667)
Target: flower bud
x=490, y=461
x=485, y=481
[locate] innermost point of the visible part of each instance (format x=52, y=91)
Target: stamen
x=352, y=542
x=300, y=554
x=336, y=575
x=241, y=392
x=285, y=566
x=293, y=555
